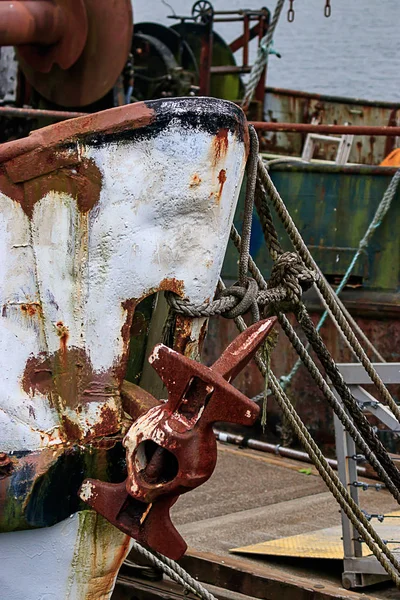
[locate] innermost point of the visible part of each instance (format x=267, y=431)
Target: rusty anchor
x=171, y=449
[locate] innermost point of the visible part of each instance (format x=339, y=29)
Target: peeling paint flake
x=86, y=491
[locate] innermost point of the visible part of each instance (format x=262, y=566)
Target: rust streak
x=30, y=309
x=220, y=146
x=63, y=334
x=104, y=582
x=221, y=179
x=183, y=333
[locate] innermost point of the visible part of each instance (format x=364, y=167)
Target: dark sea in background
x=355, y=52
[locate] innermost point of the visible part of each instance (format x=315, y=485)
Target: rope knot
x=290, y=273
x=248, y=299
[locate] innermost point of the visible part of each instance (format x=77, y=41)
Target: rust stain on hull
x=31, y=309
x=97, y=560
x=195, y=180
x=63, y=334
x=49, y=159
x=221, y=179
x=220, y=146
x=82, y=181
x=69, y=381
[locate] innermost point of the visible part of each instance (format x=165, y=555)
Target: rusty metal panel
x=293, y=106
x=96, y=214
x=332, y=207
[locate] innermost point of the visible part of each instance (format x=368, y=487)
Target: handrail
x=326, y=128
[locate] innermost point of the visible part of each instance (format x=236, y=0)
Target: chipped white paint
x=86, y=491
x=61, y=562
x=151, y=224
x=249, y=341
x=156, y=226
x=24, y=420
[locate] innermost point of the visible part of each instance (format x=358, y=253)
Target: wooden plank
x=165, y=589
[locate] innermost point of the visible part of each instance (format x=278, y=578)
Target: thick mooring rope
x=385, y=557
x=292, y=273
x=323, y=386
x=289, y=279
x=323, y=285
x=380, y=214
x=315, y=340
x=174, y=571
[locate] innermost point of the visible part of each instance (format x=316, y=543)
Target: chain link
x=290, y=12
x=328, y=10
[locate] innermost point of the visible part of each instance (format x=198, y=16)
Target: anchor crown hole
x=196, y=397
x=156, y=464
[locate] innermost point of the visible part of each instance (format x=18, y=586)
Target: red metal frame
x=249, y=33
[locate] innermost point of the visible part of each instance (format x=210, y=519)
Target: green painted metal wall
x=332, y=207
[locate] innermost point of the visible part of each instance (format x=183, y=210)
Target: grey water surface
x=355, y=52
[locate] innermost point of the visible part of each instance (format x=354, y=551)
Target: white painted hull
x=70, y=276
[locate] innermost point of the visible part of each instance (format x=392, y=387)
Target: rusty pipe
x=36, y=113
x=277, y=449
x=30, y=22
x=330, y=129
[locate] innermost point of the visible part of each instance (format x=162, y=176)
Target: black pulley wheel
x=202, y=11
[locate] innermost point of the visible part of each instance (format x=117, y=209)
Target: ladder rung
x=325, y=138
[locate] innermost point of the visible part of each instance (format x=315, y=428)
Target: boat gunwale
x=330, y=98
